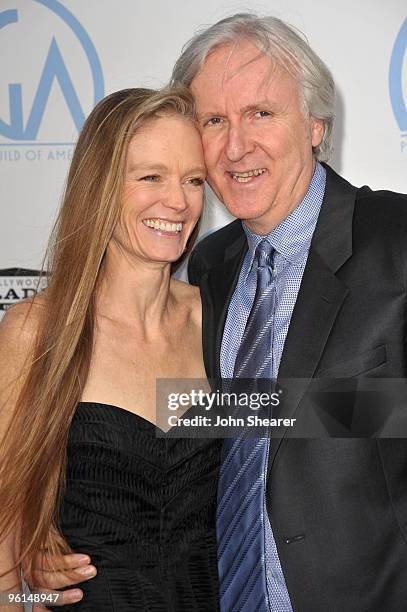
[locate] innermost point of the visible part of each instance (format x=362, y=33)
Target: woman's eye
x=197, y=182
x=151, y=178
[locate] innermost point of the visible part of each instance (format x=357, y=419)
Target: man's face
x=256, y=134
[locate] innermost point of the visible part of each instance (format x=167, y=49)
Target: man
x=334, y=534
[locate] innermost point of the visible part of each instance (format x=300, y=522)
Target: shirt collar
x=292, y=237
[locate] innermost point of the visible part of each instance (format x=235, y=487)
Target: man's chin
x=244, y=211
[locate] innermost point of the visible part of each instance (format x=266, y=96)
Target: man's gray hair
x=284, y=45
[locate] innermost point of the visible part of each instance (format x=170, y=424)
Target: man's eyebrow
x=249, y=107
x=207, y=114
x=257, y=106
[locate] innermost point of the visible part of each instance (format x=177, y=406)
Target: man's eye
x=151, y=178
x=214, y=121
x=262, y=113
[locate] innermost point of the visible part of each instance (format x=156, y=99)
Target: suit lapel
x=321, y=293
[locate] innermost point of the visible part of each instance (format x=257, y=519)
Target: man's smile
x=247, y=175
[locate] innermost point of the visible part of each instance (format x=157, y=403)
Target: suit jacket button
x=296, y=538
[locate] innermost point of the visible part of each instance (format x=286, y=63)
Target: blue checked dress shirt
x=291, y=240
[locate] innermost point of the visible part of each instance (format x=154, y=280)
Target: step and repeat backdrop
x=59, y=58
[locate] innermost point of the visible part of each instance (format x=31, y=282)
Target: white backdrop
x=59, y=58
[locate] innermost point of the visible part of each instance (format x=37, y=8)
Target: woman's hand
x=76, y=568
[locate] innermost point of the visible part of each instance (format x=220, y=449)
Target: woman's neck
x=133, y=291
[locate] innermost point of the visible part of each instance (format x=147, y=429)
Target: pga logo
x=53, y=76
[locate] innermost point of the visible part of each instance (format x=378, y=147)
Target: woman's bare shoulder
x=18, y=331
x=24, y=316
x=184, y=288
x=20, y=323
x=188, y=295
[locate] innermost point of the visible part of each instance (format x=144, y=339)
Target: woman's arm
x=16, y=340
x=17, y=337
x=10, y=582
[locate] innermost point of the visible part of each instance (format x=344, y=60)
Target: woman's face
x=163, y=192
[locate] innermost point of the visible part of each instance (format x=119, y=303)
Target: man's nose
x=238, y=143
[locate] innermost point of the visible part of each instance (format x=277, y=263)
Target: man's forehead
x=243, y=73
x=248, y=91
x=230, y=59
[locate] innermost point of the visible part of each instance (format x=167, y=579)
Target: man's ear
x=317, y=131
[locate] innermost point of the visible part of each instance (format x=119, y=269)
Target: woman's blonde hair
x=34, y=447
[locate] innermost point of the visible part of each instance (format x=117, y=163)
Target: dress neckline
x=124, y=411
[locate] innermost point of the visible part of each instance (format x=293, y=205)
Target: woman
x=80, y=458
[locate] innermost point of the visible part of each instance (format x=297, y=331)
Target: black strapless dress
x=144, y=509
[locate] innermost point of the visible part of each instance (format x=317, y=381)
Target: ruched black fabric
x=144, y=509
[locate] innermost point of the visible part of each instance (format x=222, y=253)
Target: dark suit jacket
x=338, y=507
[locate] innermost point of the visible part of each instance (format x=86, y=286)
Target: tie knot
x=264, y=254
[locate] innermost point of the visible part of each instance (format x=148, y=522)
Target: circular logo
x=29, y=102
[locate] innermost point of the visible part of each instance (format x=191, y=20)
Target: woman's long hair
x=34, y=448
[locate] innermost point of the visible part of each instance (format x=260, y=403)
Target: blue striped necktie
x=240, y=519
